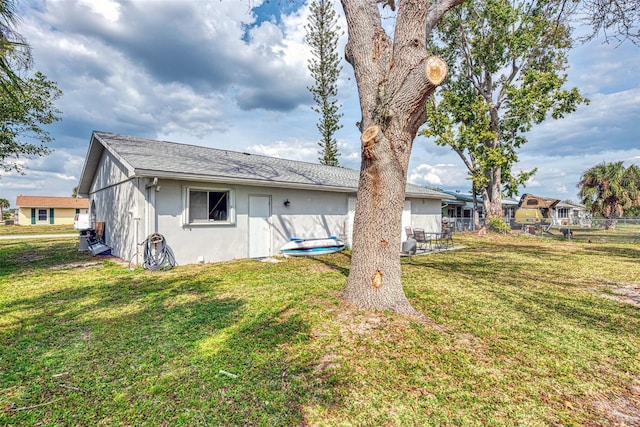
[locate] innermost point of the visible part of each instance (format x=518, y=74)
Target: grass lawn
x=531, y=332
x=36, y=229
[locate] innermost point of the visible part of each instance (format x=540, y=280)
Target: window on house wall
x=42, y=215
x=209, y=206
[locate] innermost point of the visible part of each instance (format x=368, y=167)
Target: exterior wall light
x=287, y=203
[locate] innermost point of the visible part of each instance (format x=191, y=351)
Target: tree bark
x=393, y=88
x=375, y=277
x=495, y=195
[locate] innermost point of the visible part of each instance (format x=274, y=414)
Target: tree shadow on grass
x=139, y=348
x=339, y=262
x=275, y=373
x=631, y=252
x=535, y=293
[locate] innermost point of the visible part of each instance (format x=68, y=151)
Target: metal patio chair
x=408, y=232
x=423, y=241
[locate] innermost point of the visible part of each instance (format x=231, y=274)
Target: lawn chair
x=96, y=240
x=446, y=238
x=409, y=232
x=423, y=241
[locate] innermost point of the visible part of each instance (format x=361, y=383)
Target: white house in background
x=215, y=205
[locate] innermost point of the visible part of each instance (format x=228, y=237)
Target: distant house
x=565, y=213
x=214, y=205
x=459, y=211
x=42, y=210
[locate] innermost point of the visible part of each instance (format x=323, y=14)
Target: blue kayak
x=312, y=247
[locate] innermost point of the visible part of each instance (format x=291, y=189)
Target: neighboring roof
x=570, y=206
x=51, y=202
x=535, y=202
x=462, y=198
x=151, y=158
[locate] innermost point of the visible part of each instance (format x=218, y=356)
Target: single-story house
x=460, y=210
x=565, y=213
x=214, y=205
x=41, y=210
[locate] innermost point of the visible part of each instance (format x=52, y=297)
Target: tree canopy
x=26, y=104
x=23, y=115
x=15, y=53
x=608, y=189
x=4, y=204
x=508, y=61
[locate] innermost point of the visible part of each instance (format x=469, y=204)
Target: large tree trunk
x=494, y=205
x=476, y=216
x=393, y=88
x=375, y=276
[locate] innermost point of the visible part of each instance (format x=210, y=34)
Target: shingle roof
x=51, y=202
x=148, y=157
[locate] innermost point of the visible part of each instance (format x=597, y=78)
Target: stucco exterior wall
x=114, y=200
x=309, y=214
x=133, y=208
x=426, y=214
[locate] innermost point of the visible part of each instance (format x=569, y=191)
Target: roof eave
x=92, y=160
x=147, y=173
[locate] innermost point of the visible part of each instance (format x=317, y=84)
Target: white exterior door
x=259, y=226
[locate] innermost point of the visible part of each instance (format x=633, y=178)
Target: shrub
x=497, y=224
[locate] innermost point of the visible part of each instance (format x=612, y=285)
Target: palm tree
x=4, y=204
x=15, y=53
x=609, y=188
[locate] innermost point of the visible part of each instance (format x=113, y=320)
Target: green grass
x=526, y=337
x=622, y=233
x=6, y=230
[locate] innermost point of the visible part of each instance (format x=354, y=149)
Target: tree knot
x=376, y=280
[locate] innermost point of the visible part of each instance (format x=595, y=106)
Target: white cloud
x=190, y=72
x=107, y=9
x=440, y=175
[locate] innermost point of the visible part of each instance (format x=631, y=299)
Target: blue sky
x=233, y=74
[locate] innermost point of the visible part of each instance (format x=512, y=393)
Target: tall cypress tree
x=322, y=36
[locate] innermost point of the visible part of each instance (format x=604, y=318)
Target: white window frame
x=46, y=215
x=231, y=208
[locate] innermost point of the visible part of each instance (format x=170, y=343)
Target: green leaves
x=507, y=62
x=22, y=117
x=15, y=53
x=25, y=104
x=322, y=36
x=608, y=189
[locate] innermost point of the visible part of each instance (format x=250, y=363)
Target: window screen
x=208, y=206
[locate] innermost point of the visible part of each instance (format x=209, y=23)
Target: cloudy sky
x=233, y=74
